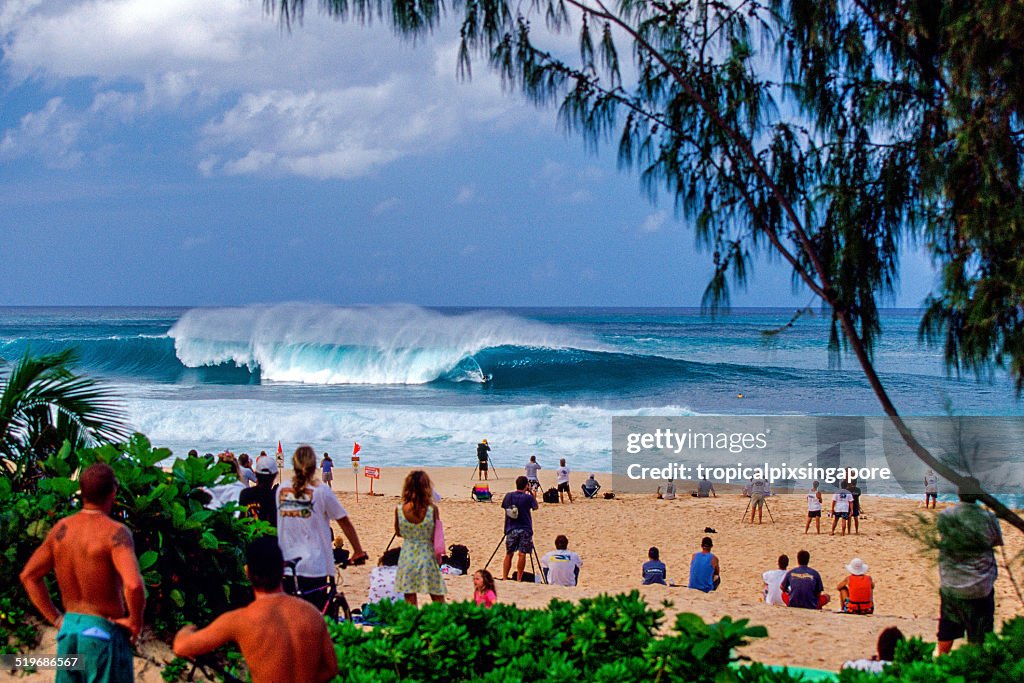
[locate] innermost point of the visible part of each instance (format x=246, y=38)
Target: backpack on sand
x=458, y=557
x=551, y=495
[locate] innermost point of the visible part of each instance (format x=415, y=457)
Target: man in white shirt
x=813, y=508
x=670, y=490
x=841, y=509
x=561, y=566
x=562, y=478
x=532, y=468
x=773, y=582
x=931, y=489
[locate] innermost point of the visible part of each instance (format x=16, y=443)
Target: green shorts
x=103, y=645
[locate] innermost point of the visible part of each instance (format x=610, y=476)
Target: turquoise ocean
x=421, y=386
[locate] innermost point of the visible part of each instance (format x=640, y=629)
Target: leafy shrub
x=192, y=559
x=607, y=638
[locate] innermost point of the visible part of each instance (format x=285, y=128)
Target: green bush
x=614, y=639
x=192, y=559
x=607, y=638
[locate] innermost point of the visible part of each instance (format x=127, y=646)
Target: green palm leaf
x=43, y=403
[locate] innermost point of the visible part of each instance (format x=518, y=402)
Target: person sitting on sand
x=301, y=649
x=802, y=586
x=705, y=573
x=773, y=582
x=856, y=591
x=382, y=579
x=887, y=642
x=670, y=490
x=561, y=566
x=813, y=508
x=532, y=468
x=590, y=487
x=654, y=570
x=98, y=579
x=705, y=489
x=484, y=592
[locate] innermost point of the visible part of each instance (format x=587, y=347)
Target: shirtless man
x=99, y=581
x=301, y=649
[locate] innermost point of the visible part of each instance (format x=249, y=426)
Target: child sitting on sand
x=887, y=642
x=654, y=570
x=483, y=589
x=773, y=582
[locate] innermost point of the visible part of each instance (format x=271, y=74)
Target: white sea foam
x=321, y=344
x=390, y=435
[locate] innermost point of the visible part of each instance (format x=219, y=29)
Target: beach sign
x=371, y=473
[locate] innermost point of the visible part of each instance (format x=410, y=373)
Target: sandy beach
x=613, y=536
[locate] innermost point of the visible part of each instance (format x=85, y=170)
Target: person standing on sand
x=482, y=459
x=305, y=508
x=300, y=648
x=931, y=489
x=327, y=470
x=841, y=500
x=532, y=468
x=758, y=491
x=813, y=508
x=99, y=581
x=415, y=521
x=854, y=490
x=967, y=570
x=562, y=478
x=518, y=506
x=260, y=501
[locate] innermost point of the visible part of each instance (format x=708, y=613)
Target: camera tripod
x=490, y=466
x=767, y=509
x=533, y=556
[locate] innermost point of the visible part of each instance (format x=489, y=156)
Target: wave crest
x=322, y=344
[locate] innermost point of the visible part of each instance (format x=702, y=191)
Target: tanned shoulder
x=122, y=537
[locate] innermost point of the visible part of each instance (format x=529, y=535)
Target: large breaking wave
x=401, y=344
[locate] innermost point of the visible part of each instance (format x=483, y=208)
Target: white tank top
x=812, y=501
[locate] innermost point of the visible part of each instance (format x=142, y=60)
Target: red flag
x=355, y=448
x=280, y=451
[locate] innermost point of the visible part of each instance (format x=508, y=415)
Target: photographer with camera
x=518, y=506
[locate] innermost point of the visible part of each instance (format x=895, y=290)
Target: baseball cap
x=265, y=465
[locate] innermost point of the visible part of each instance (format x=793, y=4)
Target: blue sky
x=193, y=153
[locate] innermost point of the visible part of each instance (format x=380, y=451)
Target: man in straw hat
x=857, y=591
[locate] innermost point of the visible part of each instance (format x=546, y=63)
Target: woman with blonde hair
x=415, y=521
x=305, y=508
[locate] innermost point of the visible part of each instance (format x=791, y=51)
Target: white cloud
x=195, y=241
x=466, y=194
x=50, y=133
x=385, y=206
x=328, y=100
x=654, y=222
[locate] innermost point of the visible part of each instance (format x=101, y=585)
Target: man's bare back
x=90, y=554
x=83, y=548
x=282, y=638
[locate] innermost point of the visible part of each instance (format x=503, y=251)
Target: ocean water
x=422, y=386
